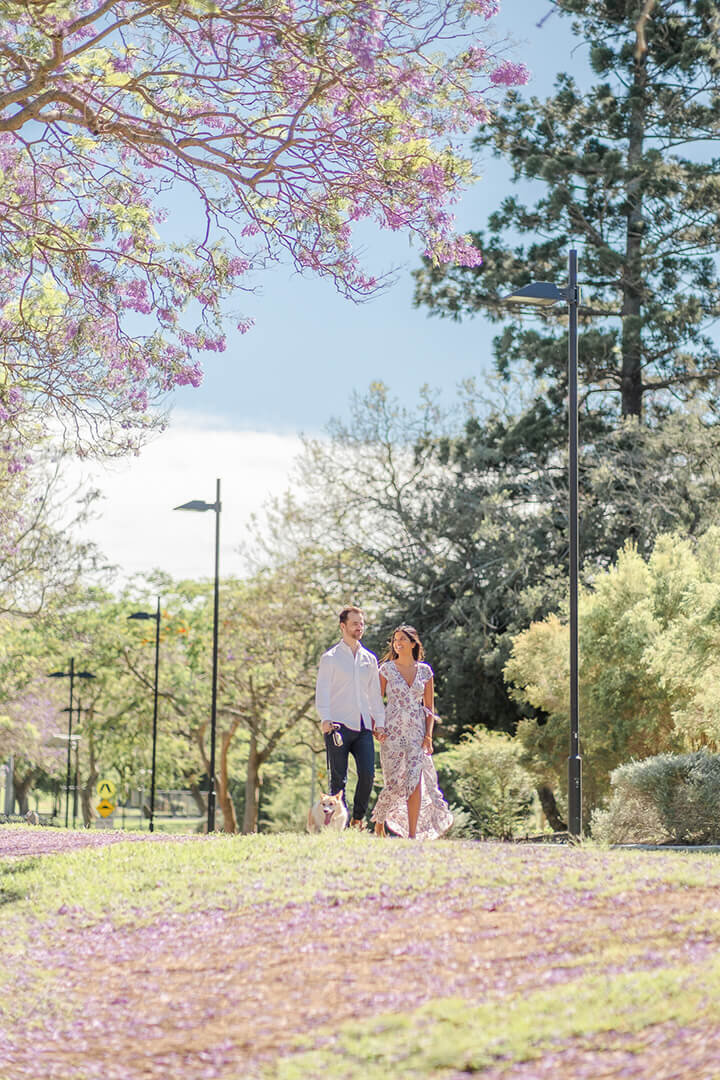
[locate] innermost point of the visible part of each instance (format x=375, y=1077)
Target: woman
x=410, y=803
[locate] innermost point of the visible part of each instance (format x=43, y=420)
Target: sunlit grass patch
x=134, y=880
x=451, y=1035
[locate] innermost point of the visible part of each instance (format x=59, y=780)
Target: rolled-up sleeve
x=322, y=689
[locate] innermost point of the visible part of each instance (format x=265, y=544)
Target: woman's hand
x=427, y=744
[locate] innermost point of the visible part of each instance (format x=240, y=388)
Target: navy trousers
x=362, y=747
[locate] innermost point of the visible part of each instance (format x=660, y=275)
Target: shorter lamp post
x=72, y=674
x=156, y=616
x=544, y=295
x=60, y=739
x=74, y=738
x=199, y=505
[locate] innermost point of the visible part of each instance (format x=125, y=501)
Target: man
x=348, y=699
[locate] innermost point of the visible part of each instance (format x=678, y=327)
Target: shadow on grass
x=12, y=886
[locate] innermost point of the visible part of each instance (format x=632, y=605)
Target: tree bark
x=631, y=379
x=22, y=788
x=549, y=808
x=198, y=798
x=88, y=787
x=252, y=788
x=221, y=786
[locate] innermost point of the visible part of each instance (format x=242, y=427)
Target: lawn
x=293, y=957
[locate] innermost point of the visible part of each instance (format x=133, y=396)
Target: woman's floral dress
x=404, y=763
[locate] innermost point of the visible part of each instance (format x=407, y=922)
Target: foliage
x=621, y=167
x=485, y=773
x=461, y=528
x=271, y=632
x=671, y=797
x=648, y=665
x=39, y=552
x=276, y=629
x=280, y=125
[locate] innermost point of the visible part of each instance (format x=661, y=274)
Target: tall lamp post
x=156, y=616
x=199, y=505
x=543, y=295
x=72, y=674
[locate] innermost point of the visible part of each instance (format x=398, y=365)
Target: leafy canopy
x=281, y=125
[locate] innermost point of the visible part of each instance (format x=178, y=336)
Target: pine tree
x=625, y=172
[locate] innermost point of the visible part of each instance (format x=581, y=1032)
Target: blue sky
x=309, y=350
x=311, y=347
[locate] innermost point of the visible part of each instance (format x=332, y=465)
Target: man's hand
x=326, y=727
x=380, y=734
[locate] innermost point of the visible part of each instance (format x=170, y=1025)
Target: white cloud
x=137, y=528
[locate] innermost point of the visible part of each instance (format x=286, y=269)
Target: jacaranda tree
x=280, y=123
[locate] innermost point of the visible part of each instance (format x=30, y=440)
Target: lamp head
x=196, y=504
x=142, y=615
x=541, y=294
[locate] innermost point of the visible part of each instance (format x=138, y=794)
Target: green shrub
x=484, y=776
x=670, y=798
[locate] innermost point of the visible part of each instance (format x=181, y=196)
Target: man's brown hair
x=350, y=610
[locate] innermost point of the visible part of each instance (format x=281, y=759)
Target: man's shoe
x=357, y=823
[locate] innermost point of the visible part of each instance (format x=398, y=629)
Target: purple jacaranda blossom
x=508, y=73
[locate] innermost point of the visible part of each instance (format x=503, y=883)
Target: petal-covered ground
x=20, y=842
x=357, y=958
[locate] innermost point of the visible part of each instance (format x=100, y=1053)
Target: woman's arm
x=429, y=703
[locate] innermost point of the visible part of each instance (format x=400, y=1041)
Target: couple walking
x=349, y=698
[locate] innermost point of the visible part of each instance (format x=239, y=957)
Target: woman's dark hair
x=410, y=632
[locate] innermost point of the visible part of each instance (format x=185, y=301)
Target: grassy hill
x=286, y=956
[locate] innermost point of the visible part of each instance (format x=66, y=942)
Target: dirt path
x=216, y=995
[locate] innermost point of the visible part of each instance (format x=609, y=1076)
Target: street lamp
x=199, y=505
x=72, y=674
x=156, y=616
x=539, y=295
x=57, y=739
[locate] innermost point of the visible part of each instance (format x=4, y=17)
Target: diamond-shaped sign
x=105, y=808
x=105, y=789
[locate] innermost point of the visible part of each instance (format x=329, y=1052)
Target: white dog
x=328, y=812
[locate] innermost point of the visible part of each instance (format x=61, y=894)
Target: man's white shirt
x=348, y=688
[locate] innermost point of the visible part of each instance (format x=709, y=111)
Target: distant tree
x=623, y=168
x=274, y=628
x=41, y=550
x=282, y=125
x=461, y=529
x=649, y=675
x=26, y=727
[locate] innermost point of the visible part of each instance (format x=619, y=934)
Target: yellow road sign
x=105, y=789
x=105, y=808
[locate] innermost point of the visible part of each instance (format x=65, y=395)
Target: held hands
x=380, y=734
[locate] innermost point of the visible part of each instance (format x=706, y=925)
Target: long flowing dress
x=404, y=762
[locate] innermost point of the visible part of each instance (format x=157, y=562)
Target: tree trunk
x=252, y=789
x=198, y=798
x=549, y=808
x=86, y=791
x=221, y=786
x=631, y=385
x=22, y=788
